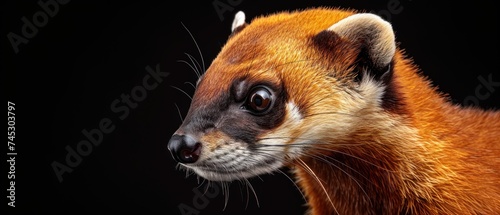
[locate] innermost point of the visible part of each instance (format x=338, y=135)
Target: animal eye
x=259, y=100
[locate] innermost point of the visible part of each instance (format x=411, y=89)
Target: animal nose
x=184, y=148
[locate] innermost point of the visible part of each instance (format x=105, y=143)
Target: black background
x=66, y=77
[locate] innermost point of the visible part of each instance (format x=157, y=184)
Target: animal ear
x=368, y=42
x=238, y=22
x=374, y=38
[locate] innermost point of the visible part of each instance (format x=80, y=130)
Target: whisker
x=195, y=64
x=318, y=146
x=242, y=183
x=188, y=171
x=311, y=144
x=333, y=112
x=182, y=92
x=349, y=175
x=311, y=172
x=324, y=159
x=191, y=84
x=294, y=183
x=206, y=187
x=198, y=47
x=266, y=152
x=284, y=137
x=253, y=191
x=225, y=191
x=179, y=111
x=190, y=66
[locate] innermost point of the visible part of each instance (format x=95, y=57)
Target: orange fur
x=428, y=157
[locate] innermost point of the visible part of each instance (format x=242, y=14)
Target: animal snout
x=184, y=148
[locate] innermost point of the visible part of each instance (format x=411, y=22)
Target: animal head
x=283, y=85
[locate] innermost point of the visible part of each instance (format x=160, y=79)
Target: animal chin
x=240, y=172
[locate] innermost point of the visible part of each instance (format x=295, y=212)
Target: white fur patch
x=282, y=137
x=236, y=161
x=239, y=20
x=375, y=31
x=371, y=90
x=293, y=112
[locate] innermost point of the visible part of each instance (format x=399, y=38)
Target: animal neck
x=416, y=163
x=363, y=175
x=405, y=170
